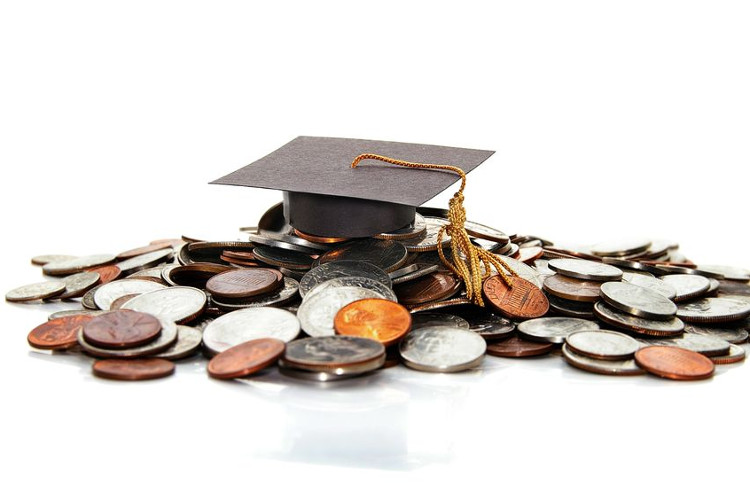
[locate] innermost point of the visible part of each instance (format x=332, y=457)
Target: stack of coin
x=575, y=287
x=331, y=358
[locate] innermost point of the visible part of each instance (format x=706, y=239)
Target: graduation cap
x=324, y=196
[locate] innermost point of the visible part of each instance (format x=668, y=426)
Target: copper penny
x=244, y=283
x=232, y=254
x=246, y=358
x=431, y=288
x=107, y=273
x=319, y=239
x=674, y=363
x=572, y=289
x=121, y=329
x=518, y=348
x=529, y=254
x=153, y=247
x=119, y=302
x=133, y=369
x=377, y=319
x=523, y=300
x=59, y=333
x=238, y=262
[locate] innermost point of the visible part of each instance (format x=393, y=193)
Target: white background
x=609, y=119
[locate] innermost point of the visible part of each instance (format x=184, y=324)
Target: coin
x=442, y=349
x=585, y=269
x=687, y=286
x=179, y=304
x=552, y=329
x=356, y=281
x=529, y=254
x=325, y=240
x=286, y=294
x=340, y=269
x=490, y=326
x=416, y=229
x=419, y=320
x=571, y=308
x=735, y=355
x=638, y=301
x=246, y=358
x=195, y=275
x=108, y=293
x=420, y=271
x=731, y=335
x=674, y=363
x=72, y=266
x=35, y=291
x=523, y=300
x=714, y=310
x=630, y=264
x=188, y=341
x=333, y=354
x=121, y=301
x=403, y=271
x=523, y=270
x=287, y=242
x=244, y=283
x=729, y=272
x=377, y=319
x=621, y=248
x=642, y=326
x=430, y=288
x=572, y=289
x=515, y=347
x=153, y=247
x=41, y=260
x=133, y=369
x=675, y=269
x=107, y=273
x=330, y=376
x=121, y=330
x=647, y=281
x=602, y=344
x=78, y=284
x=74, y=312
x=283, y=258
x=388, y=255
x=704, y=344
x=317, y=312
x=601, y=366
x=439, y=304
x=162, y=342
x=144, y=261
x=58, y=334
x=486, y=232
x=428, y=242
x=241, y=326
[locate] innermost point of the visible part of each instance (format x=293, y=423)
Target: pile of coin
x=325, y=309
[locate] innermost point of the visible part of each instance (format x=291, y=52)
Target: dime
x=735, y=355
x=490, y=326
x=72, y=266
x=416, y=229
x=674, y=363
x=35, y=291
x=419, y=320
x=133, y=369
x=714, y=310
x=356, y=281
x=241, y=326
x=442, y=349
x=523, y=300
x=687, y=286
x=107, y=273
x=524, y=271
x=421, y=270
x=486, y=232
x=428, y=242
x=643, y=326
x=78, y=284
x=621, y=248
x=553, y=330
x=334, y=354
x=188, y=341
x=638, y=301
x=601, y=366
x=585, y=269
x=731, y=335
x=286, y=294
x=121, y=330
x=431, y=288
x=648, y=281
x=729, y=272
x=108, y=293
x=377, y=319
x=316, y=314
x=41, y=260
x=602, y=344
x=244, y=283
x=704, y=344
x=179, y=304
x=58, y=334
x=144, y=261
x=340, y=269
x=571, y=308
x=515, y=347
x=572, y=289
x=388, y=255
x=153, y=247
x=246, y=358
x=283, y=258
x=160, y=344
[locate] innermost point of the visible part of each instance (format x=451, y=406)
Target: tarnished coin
x=515, y=347
x=486, y=232
x=571, y=308
x=423, y=319
x=524, y=271
x=35, y=291
x=58, y=334
x=188, y=342
x=638, y=301
x=355, y=281
x=332, y=353
x=643, y=326
x=572, y=289
x=735, y=355
x=340, y=269
x=179, y=304
x=585, y=269
x=420, y=271
x=729, y=272
x=377, y=319
x=674, y=363
x=280, y=257
x=428, y=241
x=144, y=261
x=714, y=310
x=162, y=342
x=523, y=300
x=416, y=229
x=133, y=369
x=246, y=358
x=704, y=344
x=621, y=248
x=553, y=330
x=244, y=283
x=153, y=247
x=601, y=366
x=41, y=260
x=603, y=344
x=317, y=312
x=647, y=281
x=687, y=286
x=107, y=273
x=731, y=335
x=108, y=293
x=78, y=284
x=72, y=266
x=241, y=326
x=442, y=349
x=490, y=326
x=431, y=288
x=286, y=294
x=388, y=255
x=121, y=330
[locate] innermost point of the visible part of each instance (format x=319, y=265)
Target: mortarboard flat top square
x=323, y=195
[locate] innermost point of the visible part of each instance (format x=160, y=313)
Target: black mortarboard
x=324, y=196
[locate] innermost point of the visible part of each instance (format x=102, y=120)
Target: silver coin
x=423, y=319
x=421, y=271
x=287, y=242
x=490, y=326
x=403, y=271
x=643, y=326
x=341, y=354
x=144, y=261
x=603, y=344
x=687, y=286
x=388, y=255
x=665, y=269
x=571, y=308
x=286, y=294
x=356, y=281
x=630, y=264
x=442, y=349
x=714, y=310
x=35, y=291
x=154, y=273
x=317, y=312
x=201, y=323
x=553, y=330
x=188, y=342
x=486, y=232
x=650, y=282
x=736, y=354
x=542, y=267
x=78, y=284
x=715, y=284
x=74, y=312
x=429, y=240
x=178, y=304
x=329, y=376
x=72, y=266
x=621, y=248
x=731, y=335
x=585, y=269
x=523, y=270
x=40, y=260
x=87, y=301
x=729, y=272
x=414, y=230
x=340, y=269
x=241, y=326
x=601, y=366
x=166, y=338
x=109, y=292
x=291, y=273
x=703, y=344
x=637, y=300
x=281, y=257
